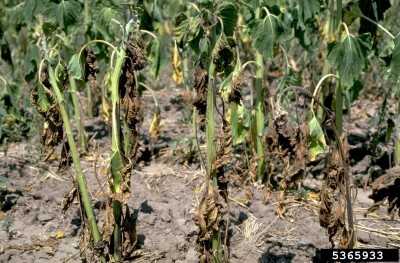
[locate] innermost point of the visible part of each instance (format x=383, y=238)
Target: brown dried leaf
x=66, y=158
x=236, y=92
x=387, y=187
x=69, y=199
x=207, y=217
x=224, y=147
x=91, y=71
x=52, y=133
x=108, y=225
x=200, y=82
x=135, y=54
x=129, y=235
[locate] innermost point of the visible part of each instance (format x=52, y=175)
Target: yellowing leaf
x=106, y=110
x=176, y=64
x=60, y=235
x=313, y=195
x=103, y=171
x=101, y=193
x=53, y=157
x=155, y=126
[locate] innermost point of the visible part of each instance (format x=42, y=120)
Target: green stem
x=259, y=111
x=211, y=147
x=319, y=85
x=377, y=24
x=87, y=15
x=75, y=155
x=4, y=80
x=397, y=137
x=79, y=122
x=339, y=108
x=338, y=13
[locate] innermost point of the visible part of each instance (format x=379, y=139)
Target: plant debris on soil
x=167, y=189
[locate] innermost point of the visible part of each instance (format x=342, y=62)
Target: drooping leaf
x=239, y=119
x=222, y=54
x=50, y=26
x=10, y=96
x=349, y=57
x=291, y=78
x=67, y=12
x=394, y=67
x=32, y=7
x=229, y=15
x=308, y=9
x=102, y=21
x=76, y=66
x=5, y=52
x=316, y=136
x=177, y=76
x=32, y=59
x=154, y=55
x=186, y=29
x=266, y=33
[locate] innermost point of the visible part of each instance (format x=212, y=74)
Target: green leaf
x=32, y=7
x=11, y=95
x=349, y=57
x=32, y=59
x=76, y=66
x=102, y=21
x=291, y=78
x=186, y=29
x=5, y=52
x=67, y=13
x=154, y=55
x=266, y=33
x=239, y=120
x=394, y=67
x=43, y=101
x=229, y=15
x=308, y=9
x=316, y=136
x=50, y=26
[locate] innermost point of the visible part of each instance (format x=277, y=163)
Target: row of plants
x=217, y=46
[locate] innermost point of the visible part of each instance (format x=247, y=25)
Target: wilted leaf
x=102, y=21
x=32, y=59
x=177, y=76
x=67, y=12
x=185, y=29
x=317, y=137
x=50, y=26
x=154, y=55
x=155, y=126
x=308, y=9
x=239, y=120
x=394, y=67
x=349, y=57
x=229, y=15
x=266, y=33
x=291, y=78
x=5, y=52
x=76, y=66
x=32, y=7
